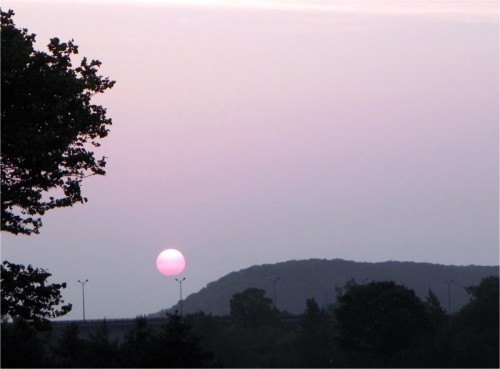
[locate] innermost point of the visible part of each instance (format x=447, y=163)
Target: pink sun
x=170, y=262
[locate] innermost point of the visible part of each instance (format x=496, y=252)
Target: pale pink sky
x=249, y=132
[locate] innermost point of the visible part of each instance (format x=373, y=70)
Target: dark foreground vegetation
x=378, y=324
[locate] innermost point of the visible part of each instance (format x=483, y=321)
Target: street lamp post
x=83, y=295
x=449, y=294
x=180, y=290
x=274, y=280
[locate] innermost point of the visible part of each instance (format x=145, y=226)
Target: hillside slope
x=303, y=279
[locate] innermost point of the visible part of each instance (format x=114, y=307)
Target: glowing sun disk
x=170, y=262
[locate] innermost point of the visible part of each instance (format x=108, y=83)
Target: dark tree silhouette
x=49, y=125
x=100, y=351
x=433, y=305
x=435, y=310
x=138, y=345
x=26, y=295
x=378, y=321
x=387, y=313
x=22, y=346
x=252, y=308
x=177, y=347
x=315, y=336
x=67, y=349
x=475, y=327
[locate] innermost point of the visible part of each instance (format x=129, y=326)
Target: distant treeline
x=293, y=282
x=376, y=324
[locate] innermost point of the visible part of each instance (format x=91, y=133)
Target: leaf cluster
x=252, y=308
x=27, y=296
x=49, y=126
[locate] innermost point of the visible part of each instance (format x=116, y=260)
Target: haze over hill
x=319, y=278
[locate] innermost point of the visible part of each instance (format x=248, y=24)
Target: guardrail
x=99, y=321
x=289, y=318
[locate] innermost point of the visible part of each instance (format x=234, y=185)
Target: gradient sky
x=251, y=132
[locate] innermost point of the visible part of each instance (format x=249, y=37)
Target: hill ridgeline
x=319, y=279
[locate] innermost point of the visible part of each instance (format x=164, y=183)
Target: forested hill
x=303, y=279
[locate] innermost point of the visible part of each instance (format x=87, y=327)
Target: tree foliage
x=434, y=309
x=67, y=350
x=22, y=346
x=475, y=335
x=137, y=348
x=49, y=126
x=387, y=313
x=315, y=336
x=26, y=295
x=252, y=308
x=101, y=351
x=178, y=347
x=379, y=319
